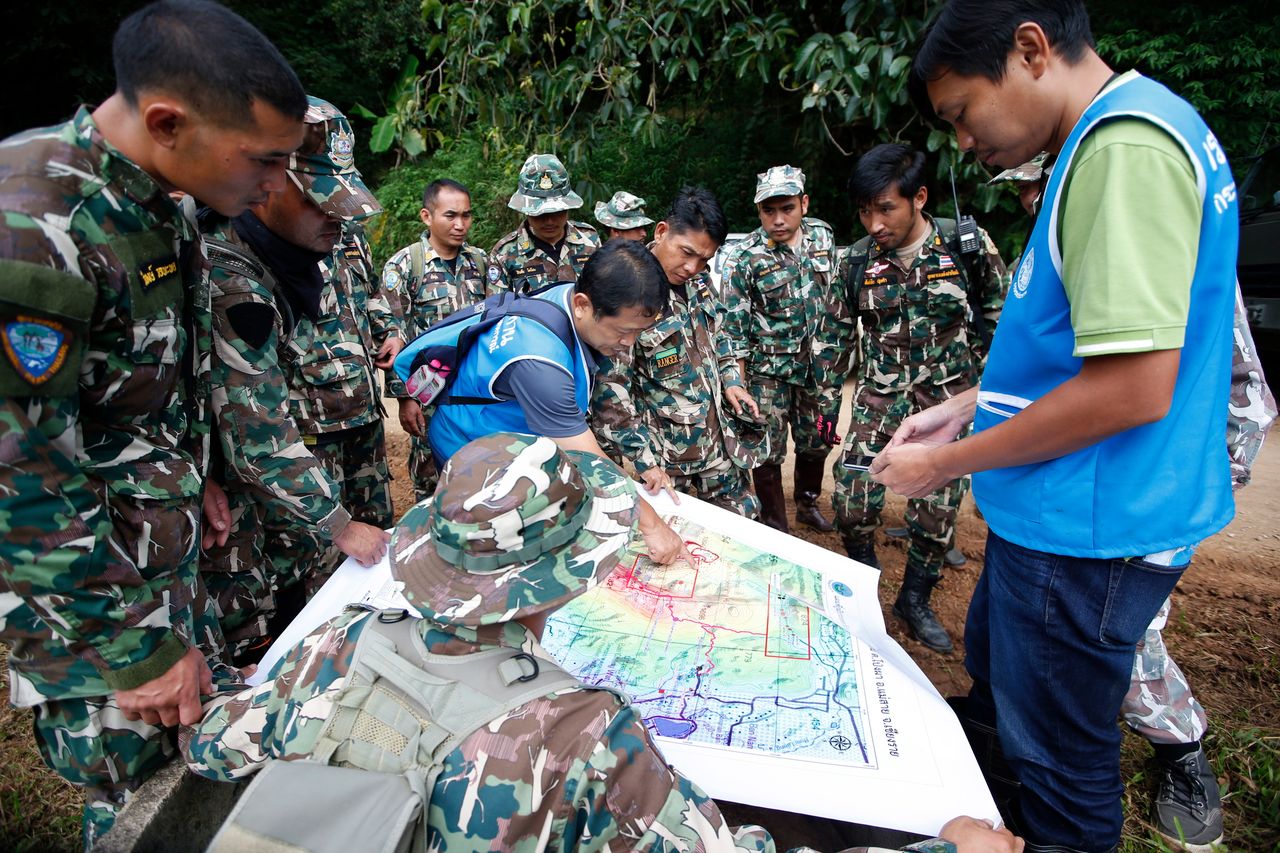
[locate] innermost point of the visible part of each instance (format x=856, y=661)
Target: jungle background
x=650, y=95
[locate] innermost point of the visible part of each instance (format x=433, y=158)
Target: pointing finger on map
x=656, y=480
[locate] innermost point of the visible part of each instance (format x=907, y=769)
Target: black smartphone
x=854, y=462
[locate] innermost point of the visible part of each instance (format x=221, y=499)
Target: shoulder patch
x=252, y=322
x=391, y=278
x=36, y=347
x=494, y=274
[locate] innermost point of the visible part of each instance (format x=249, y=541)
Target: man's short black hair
x=207, y=55
x=973, y=38
x=883, y=166
x=623, y=274
x=696, y=209
x=433, y=189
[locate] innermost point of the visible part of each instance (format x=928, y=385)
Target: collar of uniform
x=129, y=177
x=575, y=235
x=524, y=238
x=774, y=246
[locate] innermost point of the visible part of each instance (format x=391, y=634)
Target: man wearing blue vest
x=538, y=385
x=1097, y=446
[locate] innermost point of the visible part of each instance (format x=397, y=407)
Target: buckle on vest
x=391, y=617
x=525, y=656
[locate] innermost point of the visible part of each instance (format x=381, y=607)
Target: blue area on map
x=668, y=727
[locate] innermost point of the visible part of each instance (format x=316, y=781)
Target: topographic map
x=728, y=652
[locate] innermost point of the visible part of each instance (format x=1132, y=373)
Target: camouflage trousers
x=91, y=744
x=858, y=500
x=1159, y=705
x=240, y=579
x=785, y=405
x=423, y=472
x=723, y=484
x=356, y=459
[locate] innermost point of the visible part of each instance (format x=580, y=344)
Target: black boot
x=773, y=507
x=808, y=486
x=913, y=608
x=864, y=551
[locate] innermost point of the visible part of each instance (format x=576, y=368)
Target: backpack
x=429, y=364
x=401, y=712
x=967, y=267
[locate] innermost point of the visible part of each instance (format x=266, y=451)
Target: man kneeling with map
x=507, y=749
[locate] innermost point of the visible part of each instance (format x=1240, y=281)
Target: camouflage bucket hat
x=1029, y=172
x=516, y=527
x=623, y=211
x=779, y=181
x=543, y=187
x=746, y=439
x=325, y=167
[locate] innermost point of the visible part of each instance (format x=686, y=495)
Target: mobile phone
x=854, y=462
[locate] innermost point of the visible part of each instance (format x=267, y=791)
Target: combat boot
x=1188, y=807
x=864, y=551
x=913, y=608
x=808, y=486
x=773, y=506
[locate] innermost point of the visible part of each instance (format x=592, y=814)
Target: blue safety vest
x=1156, y=487
x=513, y=339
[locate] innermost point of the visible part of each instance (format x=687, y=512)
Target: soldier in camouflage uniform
x=103, y=387
x=573, y=769
x=623, y=216
x=917, y=297
x=778, y=292
x=432, y=278
x=256, y=304
x=333, y=357
x=548, y=246
x=672, y=405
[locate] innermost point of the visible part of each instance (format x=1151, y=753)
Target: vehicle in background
x=717, y=262
x=1258, y=265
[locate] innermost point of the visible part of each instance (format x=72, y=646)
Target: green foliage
x=1224, y=59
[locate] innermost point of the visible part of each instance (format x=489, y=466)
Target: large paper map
x=724, y=653
x=766, y=679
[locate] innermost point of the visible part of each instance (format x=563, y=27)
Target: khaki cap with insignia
x=622, y=211
x=517, y=526
x=543, y=187
x=779, y=181
x=324, y=167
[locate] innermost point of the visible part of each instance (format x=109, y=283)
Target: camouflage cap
x=324, y=167
x=779, y=181
x=517, y=526
x=543, y=187
x=623, y=211
x=1029, y=172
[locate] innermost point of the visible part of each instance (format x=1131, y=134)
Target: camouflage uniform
x=515, y=262
x=572, y=770
x=333, y=387
x=663, y=406
x=918, y=349
x=266, y=463
x=105, y=329
x=423, y=299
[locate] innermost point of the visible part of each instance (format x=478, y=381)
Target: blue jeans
x=1049, y=642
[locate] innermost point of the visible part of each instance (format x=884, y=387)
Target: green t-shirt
x=1129, y=229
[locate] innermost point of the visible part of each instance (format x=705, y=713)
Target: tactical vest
x=514, y=339
x=401, y=712
x=1156, y=487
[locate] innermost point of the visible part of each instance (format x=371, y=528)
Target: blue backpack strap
x=500, y=306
